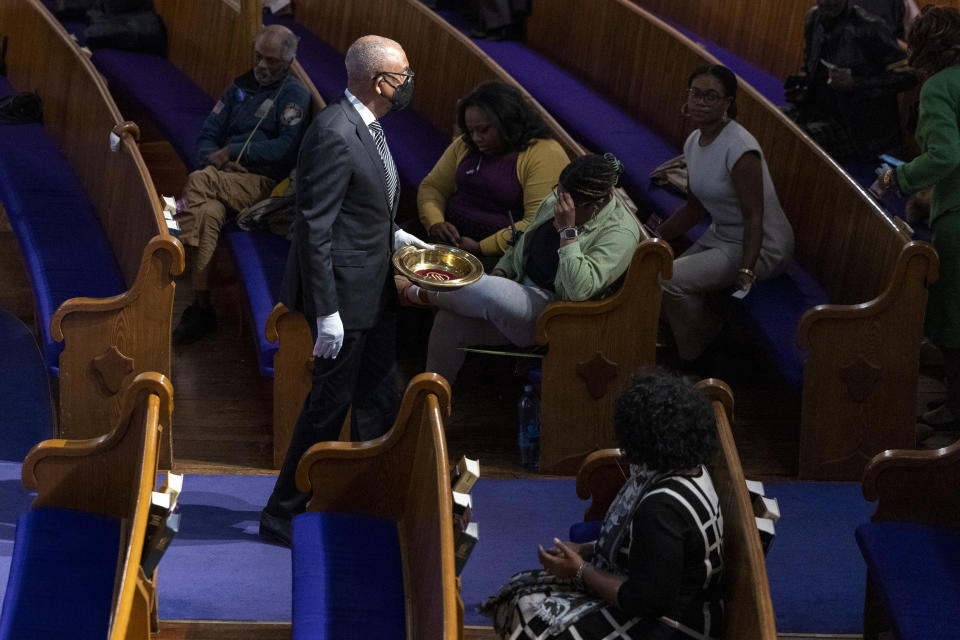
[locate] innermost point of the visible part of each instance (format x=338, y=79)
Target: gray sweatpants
x=491, y=311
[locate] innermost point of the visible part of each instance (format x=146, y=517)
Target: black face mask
x=402, y=94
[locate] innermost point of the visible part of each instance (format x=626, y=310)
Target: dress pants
x=363, y=377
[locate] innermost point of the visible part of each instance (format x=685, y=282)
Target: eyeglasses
x=708, y=98
x=402, y=74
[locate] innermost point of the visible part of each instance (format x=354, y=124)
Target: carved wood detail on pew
x=135, y=325
x=593, y=347
x=885, y=335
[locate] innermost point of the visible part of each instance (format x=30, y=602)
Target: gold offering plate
x=443, y=268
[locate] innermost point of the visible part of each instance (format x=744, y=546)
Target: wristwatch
x=569, y=233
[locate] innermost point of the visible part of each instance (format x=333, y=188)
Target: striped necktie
x=389, y=168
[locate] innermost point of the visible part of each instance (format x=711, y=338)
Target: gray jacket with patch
x=272, y=149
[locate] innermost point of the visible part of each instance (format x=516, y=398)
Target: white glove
x=401, y=239
x=329, y=336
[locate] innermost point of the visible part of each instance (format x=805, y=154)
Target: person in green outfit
x=934, y=43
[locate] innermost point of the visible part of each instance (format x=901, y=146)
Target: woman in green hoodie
x=578, y=245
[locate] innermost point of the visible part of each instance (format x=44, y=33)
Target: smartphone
x=890, y=160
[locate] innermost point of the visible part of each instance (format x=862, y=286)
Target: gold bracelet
x=890, y=180
x=748, y=272
x=578, y=579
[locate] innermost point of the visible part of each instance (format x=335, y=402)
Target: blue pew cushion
x=773, y=310
x=61, y=575
x=347, y=578
x=260, y=258
x=916, y=571
x=585, y=531
x=64, y=246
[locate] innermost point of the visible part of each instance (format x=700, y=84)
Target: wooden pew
x=917, y=492
x=594, y=347
x=860, y=373
x=748, y=610
x=621, y=329
x=107, y=480
x=402, y=477
x=106, y=341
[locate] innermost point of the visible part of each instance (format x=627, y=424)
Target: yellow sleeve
x=538, y=169
x=437, y=186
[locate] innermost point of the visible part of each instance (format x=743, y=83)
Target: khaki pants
x=210, y=194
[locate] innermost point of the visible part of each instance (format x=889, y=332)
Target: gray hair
x=366, y=56
x=288, y=39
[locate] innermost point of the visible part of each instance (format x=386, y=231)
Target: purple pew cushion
x=61, y=575
x=916, y=571
x=773, y=310
x=157, y=87
x=260, y=258
x=415, y=144
x=64, y=247
x=347, y=578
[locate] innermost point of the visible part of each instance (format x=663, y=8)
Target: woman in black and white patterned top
x=654, y=571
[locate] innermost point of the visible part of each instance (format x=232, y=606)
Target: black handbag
x=142, y=32
x=21, y=108
x=72, y=10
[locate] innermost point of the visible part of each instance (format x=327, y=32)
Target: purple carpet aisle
x=217, y=569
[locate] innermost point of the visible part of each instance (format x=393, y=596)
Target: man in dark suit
x=339, y=271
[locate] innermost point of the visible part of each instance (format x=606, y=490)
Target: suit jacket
x=343, y=231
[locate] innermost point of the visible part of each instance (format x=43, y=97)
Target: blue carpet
x=217, y=569
x=26, y=414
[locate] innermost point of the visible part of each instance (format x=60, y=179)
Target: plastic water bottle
x=528, y=433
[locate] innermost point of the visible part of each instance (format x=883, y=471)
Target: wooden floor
x=222, y=418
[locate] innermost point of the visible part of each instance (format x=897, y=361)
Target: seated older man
x=248, y=143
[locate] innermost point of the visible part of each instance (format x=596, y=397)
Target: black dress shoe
x=275, y=529
x=195, y=323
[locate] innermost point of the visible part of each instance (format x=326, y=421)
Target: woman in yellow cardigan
x=489, y=183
